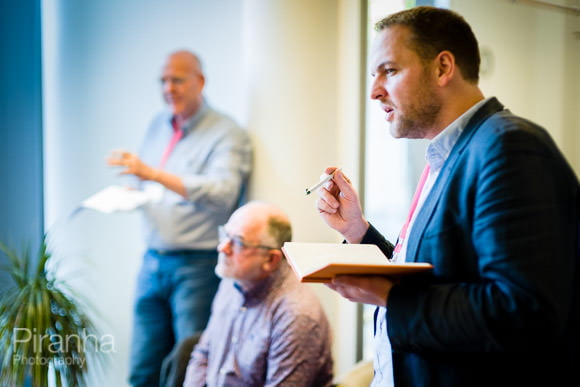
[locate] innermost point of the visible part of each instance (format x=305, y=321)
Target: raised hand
x=339, y=205
x=133, y=165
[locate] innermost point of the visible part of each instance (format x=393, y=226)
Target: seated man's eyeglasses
x=238, y=241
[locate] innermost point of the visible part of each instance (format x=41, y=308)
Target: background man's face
x=182, y=84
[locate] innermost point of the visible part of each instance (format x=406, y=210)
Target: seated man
x=266, y=328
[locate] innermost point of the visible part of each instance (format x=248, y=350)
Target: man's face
x=241, y=255
x=182, y=84
x=403, y=85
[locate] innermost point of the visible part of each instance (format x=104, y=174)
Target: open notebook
x=320, y=262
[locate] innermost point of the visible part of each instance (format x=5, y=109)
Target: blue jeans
x=173, y=301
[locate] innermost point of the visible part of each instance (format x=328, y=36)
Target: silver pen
x=324, y=180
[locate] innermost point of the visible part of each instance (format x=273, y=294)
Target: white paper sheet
x=116, y=198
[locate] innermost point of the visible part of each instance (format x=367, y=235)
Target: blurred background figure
x=199, y=159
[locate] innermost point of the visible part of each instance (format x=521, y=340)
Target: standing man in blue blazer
x=497, y=217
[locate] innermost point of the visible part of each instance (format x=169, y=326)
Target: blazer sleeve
x=374, y=237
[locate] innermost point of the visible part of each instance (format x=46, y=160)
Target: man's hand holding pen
x=339, y=206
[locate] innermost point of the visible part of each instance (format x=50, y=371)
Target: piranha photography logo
x=33, y=348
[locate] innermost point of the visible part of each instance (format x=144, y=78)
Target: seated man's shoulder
x=300, y=300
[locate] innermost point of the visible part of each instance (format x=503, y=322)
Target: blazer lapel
x=426, y=211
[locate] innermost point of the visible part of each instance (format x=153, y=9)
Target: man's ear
x=445, y=67
x=273, y=260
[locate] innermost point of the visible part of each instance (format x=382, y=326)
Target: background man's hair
x=279, y=229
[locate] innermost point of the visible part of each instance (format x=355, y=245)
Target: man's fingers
x=326, y=200
x=348, y=291
x=343, y=183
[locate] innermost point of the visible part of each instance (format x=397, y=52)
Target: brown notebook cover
x=320, y=262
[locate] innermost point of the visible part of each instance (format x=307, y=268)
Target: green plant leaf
x=44, y=325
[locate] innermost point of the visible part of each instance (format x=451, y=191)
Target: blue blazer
x=501, y=228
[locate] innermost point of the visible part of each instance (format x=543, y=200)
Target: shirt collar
x=190, y=123
x=440, y=146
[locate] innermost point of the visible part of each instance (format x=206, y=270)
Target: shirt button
x=234, y=340
x=223, y=371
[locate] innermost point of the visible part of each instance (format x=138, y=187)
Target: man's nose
x=168, y=87
x=225, y=246
x=377, y=89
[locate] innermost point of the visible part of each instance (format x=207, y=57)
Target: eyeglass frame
x=238, y=241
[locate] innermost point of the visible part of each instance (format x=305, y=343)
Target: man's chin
x=220, y=271
x=395, y=130
x=175, y=110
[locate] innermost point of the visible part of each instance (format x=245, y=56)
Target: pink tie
x=414, y=202
x=177, y=133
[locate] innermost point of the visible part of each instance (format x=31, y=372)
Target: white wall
x=302, y=64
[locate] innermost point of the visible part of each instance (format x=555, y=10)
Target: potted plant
x=45, y=332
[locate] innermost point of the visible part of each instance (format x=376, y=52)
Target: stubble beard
x=420, y=117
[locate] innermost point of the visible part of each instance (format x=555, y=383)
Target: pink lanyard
x=416, y=196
